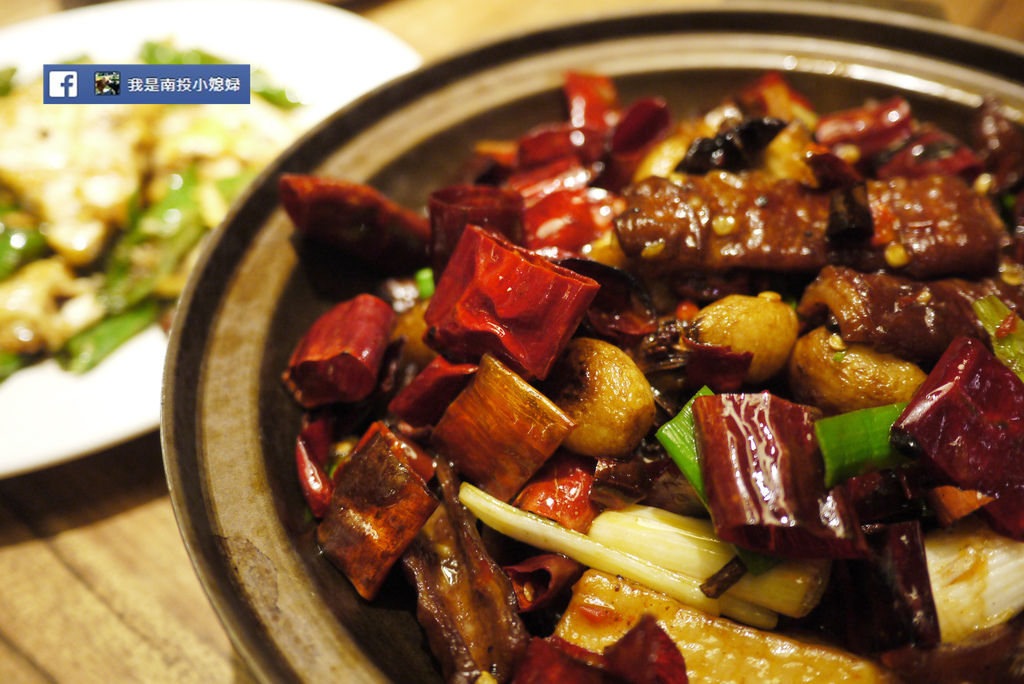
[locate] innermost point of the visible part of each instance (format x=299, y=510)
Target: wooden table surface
x=96, y=584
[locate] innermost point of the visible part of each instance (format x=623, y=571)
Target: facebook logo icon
x=63, y=84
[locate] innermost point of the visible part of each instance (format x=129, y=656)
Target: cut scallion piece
x=550, y=536
x=230, y=188
x=689, y=546
x=425, y=282
x=857, y=442
x=975, y=575
x=1005, y=330
x=164, y=52
x=679, y=441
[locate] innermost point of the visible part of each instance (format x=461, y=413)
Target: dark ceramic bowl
x=228, y=424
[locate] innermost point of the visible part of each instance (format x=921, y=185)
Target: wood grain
x=97, y=585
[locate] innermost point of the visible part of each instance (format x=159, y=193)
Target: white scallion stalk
x=550, y=536
x=977, y=578
x=689, y=546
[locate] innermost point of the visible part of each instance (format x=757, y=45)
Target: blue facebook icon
x=63, y=84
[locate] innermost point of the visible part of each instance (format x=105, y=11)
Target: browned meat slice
x=465, y=603
x=374, y=514
x=929, y=227
x=915, y=320
x=722, y=221
x=922, y=227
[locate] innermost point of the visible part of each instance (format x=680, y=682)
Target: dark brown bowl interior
x=229, y=426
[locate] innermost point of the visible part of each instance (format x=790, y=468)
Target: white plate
x=325, y=56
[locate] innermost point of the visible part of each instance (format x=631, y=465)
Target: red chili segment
x=871, y=128
x=357, y=219
x=560, y=491
x=339, y=357
x=456, y=206
x=540, y=579
x=496, y=298
x=424, y=399
x=764, y=478
x=592, y=99
x=311, y=450
x=967, y=422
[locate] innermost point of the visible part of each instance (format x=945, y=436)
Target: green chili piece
x=86, y=349
x=7, y=80
x=154, y=246
x=164, y=52
x=231, y=187
x=260, y=83
x=18, y=246
x=857, y=442
x=10, y=363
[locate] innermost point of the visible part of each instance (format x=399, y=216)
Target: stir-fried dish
x=735, y=397
x=102, y=209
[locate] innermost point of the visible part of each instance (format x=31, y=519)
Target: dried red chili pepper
x=425, y=398
x=887, y=598
x=771, y=95
x=592, y=99
x=564, y=173
x=716, y=366
x=454, y=207
x=930, y=151
x=549, y=142
x=539, y=580
x=311, y=452
x=560, y=490
x=967, y=423
x=642, y=125
x=339, y=357
x=885, y=495
x=871, y=128
x=764, y=478
x=570, y=219
x=357, y=219
x=646, y=654
x=497, y=298
x=899, y=550
x=544, y=662
x=622, y=311
x=829, y=169
x=410, y=452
